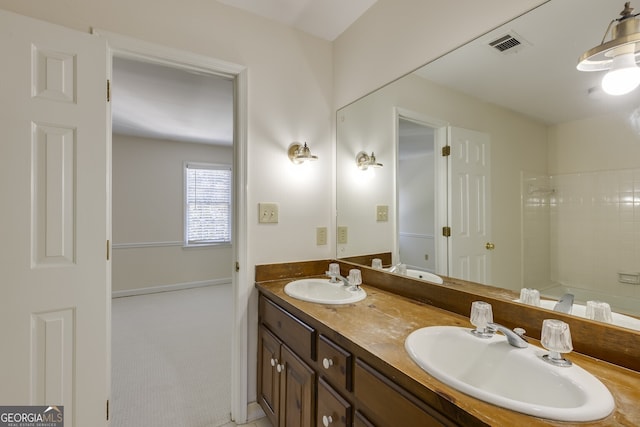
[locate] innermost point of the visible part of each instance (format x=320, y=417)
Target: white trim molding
x=166, y=288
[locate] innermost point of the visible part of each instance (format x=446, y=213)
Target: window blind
x=208, y=203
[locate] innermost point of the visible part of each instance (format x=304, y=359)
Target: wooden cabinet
x=308, y=375
x=286, y=385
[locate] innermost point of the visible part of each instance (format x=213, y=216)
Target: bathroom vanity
x=345, y=365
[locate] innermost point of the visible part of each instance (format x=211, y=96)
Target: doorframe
x=131, y=48
x=441, y=188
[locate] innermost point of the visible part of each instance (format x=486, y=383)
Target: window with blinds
x=207, y=204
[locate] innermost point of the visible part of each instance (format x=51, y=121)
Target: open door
x=470, y=205
x=54, y=222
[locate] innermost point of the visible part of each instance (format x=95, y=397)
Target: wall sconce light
x=299, y=153
x=617, y=56
x=365, y=161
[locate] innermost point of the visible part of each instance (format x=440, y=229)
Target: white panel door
x=54, y=297
x=470, y=205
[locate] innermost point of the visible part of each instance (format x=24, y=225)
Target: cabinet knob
x=279, y=367
x=327, y=363
x=274, y=361
x=326, y=420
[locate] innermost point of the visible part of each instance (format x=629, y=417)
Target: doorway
x=172, y=155
x=416, y=195
x=125, y=47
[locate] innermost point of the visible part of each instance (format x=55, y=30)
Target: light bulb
x=623, y=77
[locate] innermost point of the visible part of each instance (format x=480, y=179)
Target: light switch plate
x=321, y=236
x=342, y=235
x=382, y=213
x=268, y=213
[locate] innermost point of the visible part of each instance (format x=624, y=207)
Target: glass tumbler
x=376, y=263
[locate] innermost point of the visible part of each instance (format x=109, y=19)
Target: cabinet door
x=268, y=376
x=297, y=391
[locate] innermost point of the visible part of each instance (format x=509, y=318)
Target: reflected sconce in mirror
x=299, y=153
x=617, y=56
x=365, y=161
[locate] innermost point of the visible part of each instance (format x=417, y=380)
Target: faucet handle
x=556, y=337
x=481, y=317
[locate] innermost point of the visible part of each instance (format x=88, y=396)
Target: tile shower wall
x=595, y=230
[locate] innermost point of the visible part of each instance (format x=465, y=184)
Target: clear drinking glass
x=530, y=296
x=376, y=263
x=599, y=310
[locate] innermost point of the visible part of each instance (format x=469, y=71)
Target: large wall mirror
x=541, y=188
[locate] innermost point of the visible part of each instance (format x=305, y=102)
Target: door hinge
x=446, y=231
x=237, y=266
x=108, y=247
x=108, y=90
x=446, y=151
x=107, y=409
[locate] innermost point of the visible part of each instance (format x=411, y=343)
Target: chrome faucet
x=564, y=304
x=336, y=278
x=514, y=337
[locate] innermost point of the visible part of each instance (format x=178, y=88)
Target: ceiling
x=326, y=19
x=538, y=79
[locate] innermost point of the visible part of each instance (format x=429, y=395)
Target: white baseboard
x=167, y=288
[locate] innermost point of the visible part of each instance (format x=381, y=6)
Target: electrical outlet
x=321, y=236
x=268, y=213
x=382, y=213
x=342, y=235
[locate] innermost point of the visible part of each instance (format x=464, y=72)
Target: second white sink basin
x=322, y=291
x=515, y=378
x=424, y=275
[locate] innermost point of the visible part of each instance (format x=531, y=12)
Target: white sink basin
x=323, y=292
x=518, y=379
x=424, y=275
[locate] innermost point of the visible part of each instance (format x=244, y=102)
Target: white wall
x=148, y=200
x=290, y=89
x=395, y=37
x=517, y=144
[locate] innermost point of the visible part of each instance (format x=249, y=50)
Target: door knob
x=490, y=246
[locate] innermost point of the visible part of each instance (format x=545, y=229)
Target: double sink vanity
x=398, y=352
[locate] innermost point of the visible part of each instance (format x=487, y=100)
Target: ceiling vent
x=508, y=43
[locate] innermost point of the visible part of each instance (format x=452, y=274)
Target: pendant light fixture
x=617, y=56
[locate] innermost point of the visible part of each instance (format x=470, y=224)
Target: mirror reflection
x=542, y=186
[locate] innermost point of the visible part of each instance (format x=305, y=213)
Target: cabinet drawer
x=299, y=336
x=385, y=404
x=333, y=410
x=335, y=363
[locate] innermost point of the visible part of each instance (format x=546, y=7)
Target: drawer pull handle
x=327, y=363
x=326, y=420
x=279, y=367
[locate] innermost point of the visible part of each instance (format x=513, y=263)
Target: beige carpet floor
x=171, y=358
